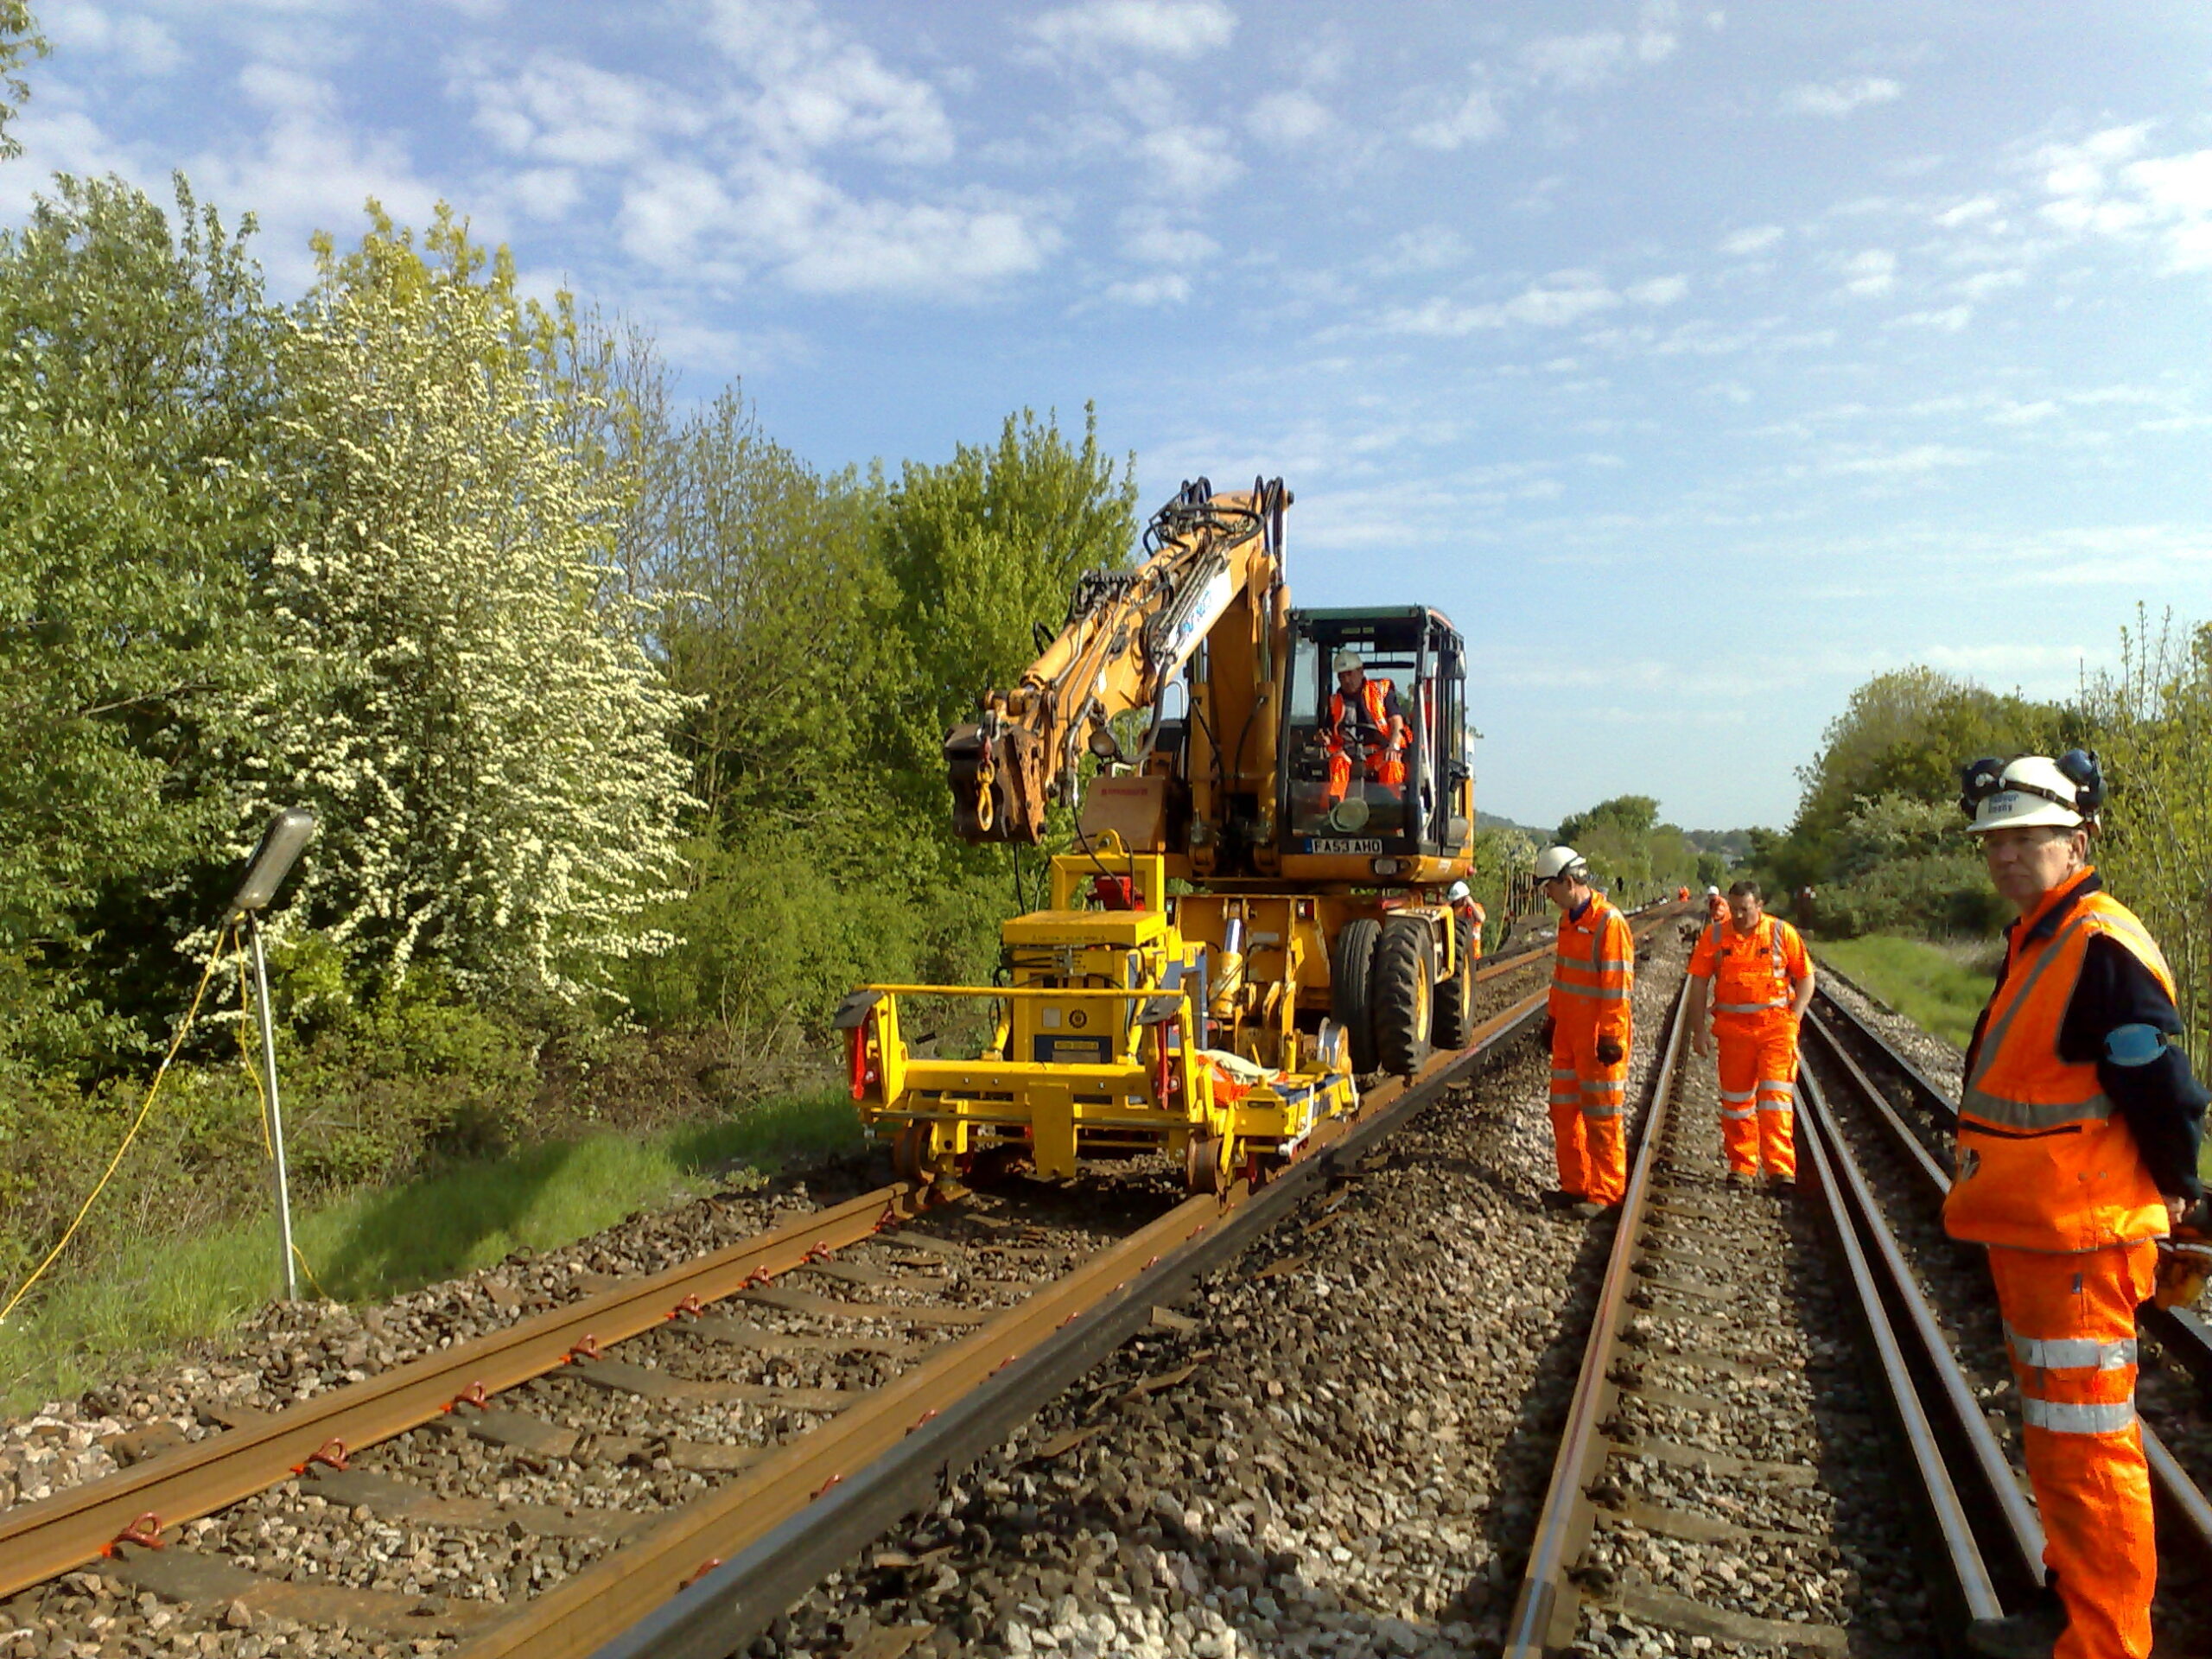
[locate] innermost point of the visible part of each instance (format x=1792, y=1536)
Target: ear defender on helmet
x=1978, y=781
x=2080, y=768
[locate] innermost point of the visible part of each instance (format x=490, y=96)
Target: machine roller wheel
x=1403, y=995
x=1202, y=1163
x=910, y=1155
x=1351, y=969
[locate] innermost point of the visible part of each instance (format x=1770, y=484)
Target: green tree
x=20, y=41
x=468, y=700
x=136, y=388
x=2154, y=720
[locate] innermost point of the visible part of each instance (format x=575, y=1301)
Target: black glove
x=1610, y=1052
x=1550, y=1028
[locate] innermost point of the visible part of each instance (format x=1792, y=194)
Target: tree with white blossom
x=464, y=697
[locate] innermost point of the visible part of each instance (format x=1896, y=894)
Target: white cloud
x=1757, y=239
x=1577, y=62
x=143, y=46
x=1168, y=288
x=1970, y=212
x=567, y=112
x=2105, y=185
x=1152, y=239
x=1922, y=458
x=816, y=88
x=2024, y=414
x=1563, y=297
x=1470, y=121
x=1948, y=319
x=1289, y=119
x=1659, y=291
x=1840, y=97
x=1190, y=161
x=1872, y=272
x=1171, y=29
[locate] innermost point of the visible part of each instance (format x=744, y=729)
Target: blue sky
x=1698, y=360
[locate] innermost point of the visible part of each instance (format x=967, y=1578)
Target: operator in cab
x=1586, y=1028
x=1363, y=716
x=2076, y=1154
x=1760, y=978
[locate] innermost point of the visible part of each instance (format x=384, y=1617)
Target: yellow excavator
x=1255, y=915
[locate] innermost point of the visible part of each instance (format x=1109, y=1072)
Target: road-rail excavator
x=1255, y=915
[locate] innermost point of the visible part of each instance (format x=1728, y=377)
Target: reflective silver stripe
x=1562, y=1071
x=1589, y=1110
x=2033, y=1115
x=1736, y=1093
x=1778, y=1106
x=1611, y=963
x=1747, y=1007
x=1610, y=994
x=1783, y=1083
x=1738, y=1111
x=2074, y=1417
x=2070, y=1353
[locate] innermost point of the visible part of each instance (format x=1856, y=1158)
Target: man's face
x=2026, y=863
x=1745, y=908
x=1349, y=680
x=1560, y=892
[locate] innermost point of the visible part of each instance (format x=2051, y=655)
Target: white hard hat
x=1348, y=659
x=1456, y=892
x=1713, y=892
x=1561, y=861
x=2031, y=791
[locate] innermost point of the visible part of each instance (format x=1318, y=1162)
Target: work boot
x=1781, y=1186
x=2030, y=1635
x=1739, y=1181
x=1558, y=1199
x=1586, y=1210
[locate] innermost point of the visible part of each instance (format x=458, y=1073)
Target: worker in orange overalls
x=1470, y=909
x=1364, y=712
x=1586, y=1025
x=1682, y=895
x=1716, y=907
x=1760, y=979
x=2077, y=1153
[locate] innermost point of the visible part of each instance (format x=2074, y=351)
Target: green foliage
x=1630, y=853
x=20, y=40
x=133, y=390
x=2154, y=719
x=1941, y=988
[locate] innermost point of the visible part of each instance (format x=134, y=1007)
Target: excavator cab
x=1397, y=803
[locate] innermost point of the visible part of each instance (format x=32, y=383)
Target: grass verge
x=159, y=1295
x=1940, y=987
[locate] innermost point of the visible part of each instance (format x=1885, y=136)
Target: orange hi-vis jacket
x=1593, y=972
x=1375, y=697
x=2044, y=1162
x=1751, y=972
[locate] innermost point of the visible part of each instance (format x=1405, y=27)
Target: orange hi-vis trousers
x=1758, y=1082
x=1589, y=1103
x=2070, y=1324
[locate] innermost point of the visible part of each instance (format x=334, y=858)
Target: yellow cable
x=152, y=1090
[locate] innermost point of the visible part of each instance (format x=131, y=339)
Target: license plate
x=1344, y=844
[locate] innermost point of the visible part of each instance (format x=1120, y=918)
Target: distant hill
x=1491, y=820
x=1734, y=845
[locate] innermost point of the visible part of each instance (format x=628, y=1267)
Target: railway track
x=1897, y=1122
x=663, y=1466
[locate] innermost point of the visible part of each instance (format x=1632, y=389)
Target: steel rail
x=1866, y=1242
x=2182, y=1499
x=1543, y=1611
x=2184, y=1334
x=773, y=1548
x=40, y=1540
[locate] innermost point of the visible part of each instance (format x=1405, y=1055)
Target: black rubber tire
x=1403, y=995
x=1351, y=969
x=1455, y=995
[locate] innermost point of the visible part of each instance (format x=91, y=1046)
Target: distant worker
x=1466, y=906
x=1716, y=907
x=1593, y=972
x=1760, y=979
x=1682, y=895
x=1365, y=713
x=1804, y=904
x=2077, y=1141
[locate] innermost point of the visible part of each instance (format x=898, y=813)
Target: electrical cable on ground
x=152, y=1090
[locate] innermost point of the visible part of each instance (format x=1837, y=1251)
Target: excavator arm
x=1127, y=633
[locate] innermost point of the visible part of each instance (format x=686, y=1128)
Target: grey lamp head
x=272, y=860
